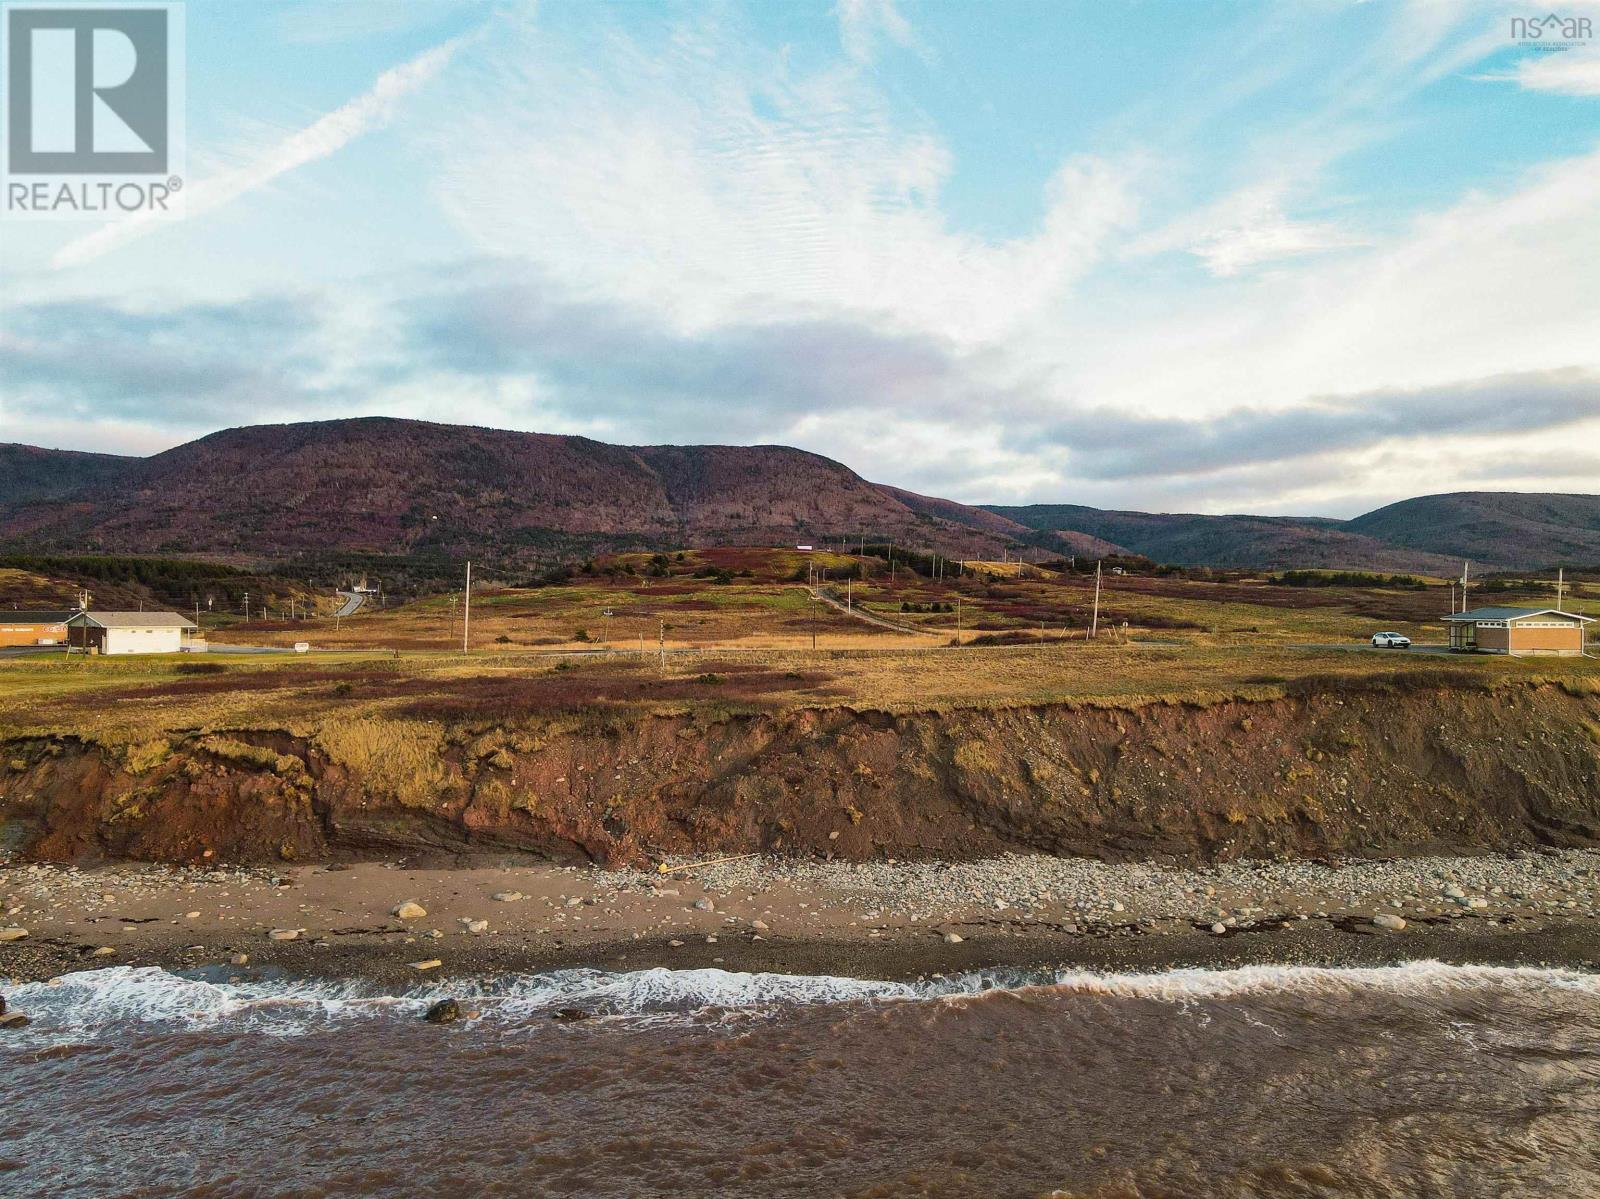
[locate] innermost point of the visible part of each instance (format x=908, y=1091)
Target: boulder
x=409, y=910
x=446, y=1011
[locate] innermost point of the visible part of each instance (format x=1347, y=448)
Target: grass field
x=750, y=598
x=739, y=632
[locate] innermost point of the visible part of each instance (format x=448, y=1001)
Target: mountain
x=386, y=486
x=1521, y=529
x=408, y=487
x=28, y=473
x=1253, y=541
x=1432, y=534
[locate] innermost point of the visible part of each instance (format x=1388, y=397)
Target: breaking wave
x=92, y=1002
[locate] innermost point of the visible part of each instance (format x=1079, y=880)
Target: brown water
x=1424, y=1080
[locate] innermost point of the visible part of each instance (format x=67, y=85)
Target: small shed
x=129, y=632
x=32, y=627
x=1518, y=631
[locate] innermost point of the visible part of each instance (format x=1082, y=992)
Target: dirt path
x=818, y=593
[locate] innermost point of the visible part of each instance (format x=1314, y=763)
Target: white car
x=1390, y=641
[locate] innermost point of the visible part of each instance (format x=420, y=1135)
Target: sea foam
x=91, y=1003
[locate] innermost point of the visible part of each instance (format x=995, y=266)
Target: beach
x=867, y=920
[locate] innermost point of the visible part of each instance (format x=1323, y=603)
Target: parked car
x=1390, y=641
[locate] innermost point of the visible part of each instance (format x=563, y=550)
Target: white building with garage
x=129, y=632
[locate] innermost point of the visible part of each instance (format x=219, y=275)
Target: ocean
x=1414, y=1081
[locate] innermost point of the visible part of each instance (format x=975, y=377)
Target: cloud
x=1570, y=73
x=322, y=138
x=710, y=179
x=1262, y=233
x=1104, y=444
x=188, y=366
x=862, y=23
x=631, y=371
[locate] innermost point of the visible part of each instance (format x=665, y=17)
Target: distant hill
x=410, y=487
x=1253, y=541
x=437, y=492
x=28, y=473
x=1520, y=529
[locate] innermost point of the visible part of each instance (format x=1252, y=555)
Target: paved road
x=352, y=603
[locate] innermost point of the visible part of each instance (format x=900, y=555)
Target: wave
x=92, y=1003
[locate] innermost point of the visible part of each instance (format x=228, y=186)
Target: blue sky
x=1298, y=257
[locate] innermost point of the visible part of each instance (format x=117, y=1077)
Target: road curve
x=352, y=603
x=818, y=593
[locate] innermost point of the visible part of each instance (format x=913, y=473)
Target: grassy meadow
x=739, y=627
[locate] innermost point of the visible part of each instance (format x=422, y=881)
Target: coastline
x=1573, y=945
x=1027, y=915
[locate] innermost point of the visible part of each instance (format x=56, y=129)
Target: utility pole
x=466, y=611
x=849, y=593
x=663, y=643
x=1464, y=568
x=247, y=606
x=1094, y=622
x=1561, y=585
x=958, y=618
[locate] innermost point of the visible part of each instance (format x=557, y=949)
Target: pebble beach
x=884, y=919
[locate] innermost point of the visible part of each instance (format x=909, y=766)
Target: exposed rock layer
x=1354, y=773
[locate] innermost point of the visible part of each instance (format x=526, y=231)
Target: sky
x=1306, y=257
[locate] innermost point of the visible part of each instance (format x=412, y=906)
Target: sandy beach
x=864, y=920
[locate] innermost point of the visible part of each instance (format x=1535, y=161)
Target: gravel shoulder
x=884, y=920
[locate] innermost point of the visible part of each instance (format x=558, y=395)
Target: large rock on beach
x=446, y=1011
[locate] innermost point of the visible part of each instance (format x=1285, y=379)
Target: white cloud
x=1266, y=235
x=707, y=180
x=1570, y=73
x=863, y=22
x=321, y=138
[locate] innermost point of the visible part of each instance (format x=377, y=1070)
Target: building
x=130, y=632
x=1518, y=631
x=27, y=627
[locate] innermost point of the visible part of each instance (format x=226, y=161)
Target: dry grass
x=387, y=720
x=385, y=715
